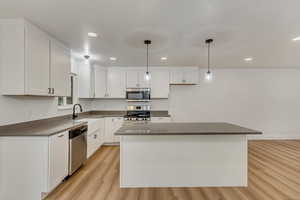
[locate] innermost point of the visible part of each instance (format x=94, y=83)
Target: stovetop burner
x=138, y=113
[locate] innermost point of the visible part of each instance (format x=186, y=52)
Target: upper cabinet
x=184, y=76
x=100, y=82
x=109, y=82
x=37, y=61
x=160, y=83
x=60, y=69
x=85, y=80
x=112, y=82
x=135, y=78
x=29, y=66
x=116, y=83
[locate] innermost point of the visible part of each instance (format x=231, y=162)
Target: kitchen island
x=183, y=154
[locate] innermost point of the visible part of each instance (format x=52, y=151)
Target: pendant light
x=208, y=75
x=147, y=74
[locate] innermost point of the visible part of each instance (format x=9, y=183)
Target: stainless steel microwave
x=138, y=94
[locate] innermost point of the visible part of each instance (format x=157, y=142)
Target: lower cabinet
x=95, y=135
x=34, y=167
x=58, y=158
x=112, y=124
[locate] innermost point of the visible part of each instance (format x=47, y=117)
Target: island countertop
x=200, y=128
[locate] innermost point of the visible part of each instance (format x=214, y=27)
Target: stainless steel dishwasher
x=77, y=148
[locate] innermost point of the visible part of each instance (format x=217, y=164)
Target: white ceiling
x=261, y=29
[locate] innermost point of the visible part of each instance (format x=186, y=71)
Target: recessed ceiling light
x=248, y=59
x=93, y=35
x=113, y=58
x=164, y=58
x=296, y=39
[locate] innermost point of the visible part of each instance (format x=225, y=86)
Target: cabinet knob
x=52, y=90
x=49, y=90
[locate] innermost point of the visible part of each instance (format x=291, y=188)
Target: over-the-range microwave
x=138, y=94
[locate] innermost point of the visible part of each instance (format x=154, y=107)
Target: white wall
x=21, y=109
x=262, y=99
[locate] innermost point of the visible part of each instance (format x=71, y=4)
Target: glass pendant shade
x=147, y=76
x=208, y=75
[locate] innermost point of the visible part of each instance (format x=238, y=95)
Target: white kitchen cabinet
x=160, y=83
x=37, y=61
x=100, y=74
x=34, y=167
x=25, y=61
x=160, y=119
x=95, y=135
x=86, y=85
x=112, y=124
x=135, y=78
x=58, y=158
x=60, y=69
x=184, y=75
x=92, y=143
x=132, y=78
x=116, y=83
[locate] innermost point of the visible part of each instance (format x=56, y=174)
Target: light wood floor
x=274, y=174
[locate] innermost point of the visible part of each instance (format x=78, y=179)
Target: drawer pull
x=61, y=135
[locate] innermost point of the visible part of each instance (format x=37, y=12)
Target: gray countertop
x=40, y=127
x=51, y=126
x=148, y=128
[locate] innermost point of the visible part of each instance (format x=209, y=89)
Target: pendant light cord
x=147, y=58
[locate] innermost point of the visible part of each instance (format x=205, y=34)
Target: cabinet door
x=84, y=79
x=37, y=73
x=191, y=75
x=116, y=83
x=117, y=123
x=92, y=143
x=177, y=76
x=101, y=132
x=109, y=130
x=58, y=158
x=132, y=79
x=100, y=82
x=143, y=83
x=60, y=69
x=160, y=84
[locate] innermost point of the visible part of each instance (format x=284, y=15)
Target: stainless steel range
x=138, y=113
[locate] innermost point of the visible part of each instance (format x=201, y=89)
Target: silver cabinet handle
x=61, y=135
x=52, y=90
x=95, y=136
x=49, y=90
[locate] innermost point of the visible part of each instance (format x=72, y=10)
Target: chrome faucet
x=74, y=110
